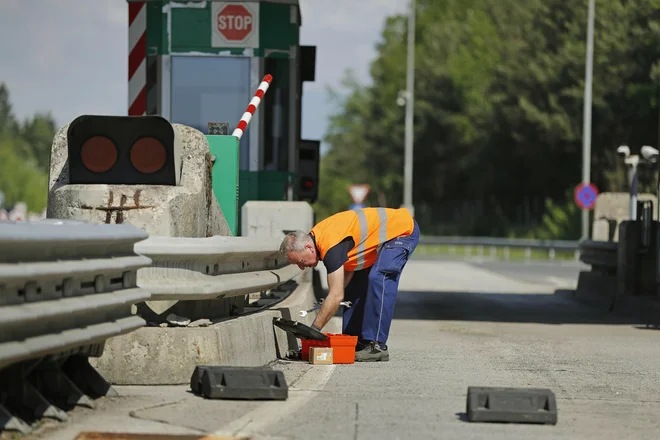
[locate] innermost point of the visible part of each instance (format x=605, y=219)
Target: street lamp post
x=410, y=97
x=586, y=129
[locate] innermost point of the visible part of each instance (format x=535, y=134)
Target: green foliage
x=499, y=90
x=560, y=221
x=24, y=155
x=21, y=180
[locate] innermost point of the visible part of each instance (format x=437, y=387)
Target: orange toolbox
x=343, y=347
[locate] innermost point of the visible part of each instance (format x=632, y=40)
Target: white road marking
x=268, y=413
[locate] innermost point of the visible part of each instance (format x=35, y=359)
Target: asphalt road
x=559, y=274
x=457, y=324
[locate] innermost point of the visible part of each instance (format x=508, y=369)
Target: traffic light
x=123, y=150
x=308, y=170
x=307, y=63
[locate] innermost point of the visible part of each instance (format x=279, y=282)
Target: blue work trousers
x=373, y=290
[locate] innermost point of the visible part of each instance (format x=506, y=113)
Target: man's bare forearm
x=347, y=278
x=328, y=309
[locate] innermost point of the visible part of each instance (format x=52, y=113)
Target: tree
x=24, y=155
x=498, y=110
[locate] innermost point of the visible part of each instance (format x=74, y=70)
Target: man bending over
x=364, y=252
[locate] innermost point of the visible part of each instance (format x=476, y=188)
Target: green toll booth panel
x=225, y=176
x=232, y=187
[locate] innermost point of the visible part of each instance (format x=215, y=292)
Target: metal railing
x=65, y=288
x=600, y=255
x=213, y=267
x=506, y=244
x=68, y=286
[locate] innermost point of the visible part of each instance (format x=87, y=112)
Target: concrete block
x=604, y=230
x=269, y=219
x=168, y=356
x=614, y=208
x=186, y=210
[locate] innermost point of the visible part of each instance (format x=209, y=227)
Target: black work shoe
x=371, y=352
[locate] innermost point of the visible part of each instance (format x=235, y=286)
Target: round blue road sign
x=585, y=195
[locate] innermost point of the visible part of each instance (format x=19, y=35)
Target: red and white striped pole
x=242, y=125
x=137, y=58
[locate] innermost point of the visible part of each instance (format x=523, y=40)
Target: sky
x=69, y=57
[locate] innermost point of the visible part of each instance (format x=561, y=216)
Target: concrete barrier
x=186, y=210
x=269, y=219
x=168, y=356
x=610, y=210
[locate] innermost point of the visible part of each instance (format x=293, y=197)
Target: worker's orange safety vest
x=369, y=228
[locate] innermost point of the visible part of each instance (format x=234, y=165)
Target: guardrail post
x=551, y=253
x=507, y=253
x=493, y=251
x=481, y=251
x=468, y=251
x=452, y=250
x=528, y=254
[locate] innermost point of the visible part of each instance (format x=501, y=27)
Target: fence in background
x=494, y=244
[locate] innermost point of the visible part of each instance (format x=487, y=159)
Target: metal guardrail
x=68, y=286
x=213, y=267
x=551, y=246
x=65, y=287
x=601, y=255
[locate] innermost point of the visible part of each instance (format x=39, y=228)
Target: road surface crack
x=134, y=414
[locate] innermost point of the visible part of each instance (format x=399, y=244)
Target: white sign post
x=235, y=24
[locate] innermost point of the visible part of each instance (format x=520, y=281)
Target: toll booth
x=200, y=62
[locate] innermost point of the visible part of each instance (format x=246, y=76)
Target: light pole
x=410, y=98
x=586, y=128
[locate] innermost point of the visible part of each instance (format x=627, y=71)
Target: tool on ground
x=317, y=306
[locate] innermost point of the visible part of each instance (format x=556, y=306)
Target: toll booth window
x=211, y=89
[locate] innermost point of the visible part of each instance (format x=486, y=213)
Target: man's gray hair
x=294, y=242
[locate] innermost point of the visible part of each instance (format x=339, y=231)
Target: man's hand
x=335, y=296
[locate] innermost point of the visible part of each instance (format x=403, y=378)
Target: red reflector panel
x=98, y=154
x=148, y=155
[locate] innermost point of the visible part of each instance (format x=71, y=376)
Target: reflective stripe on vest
x=364, y=231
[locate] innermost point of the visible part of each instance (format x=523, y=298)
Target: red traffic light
x=121, y=150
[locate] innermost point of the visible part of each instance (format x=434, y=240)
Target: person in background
x=364, y=252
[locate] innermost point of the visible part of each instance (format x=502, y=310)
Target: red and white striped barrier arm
x=242, y=125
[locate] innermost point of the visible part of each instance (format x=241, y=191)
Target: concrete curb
x=168, y=356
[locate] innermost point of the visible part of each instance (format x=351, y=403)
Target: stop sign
x=235, y=22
